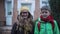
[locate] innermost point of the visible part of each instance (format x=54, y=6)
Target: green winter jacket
x=46, y=28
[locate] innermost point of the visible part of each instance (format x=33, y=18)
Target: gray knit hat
x=45, y=8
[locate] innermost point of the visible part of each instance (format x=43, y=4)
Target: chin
x=44, y=17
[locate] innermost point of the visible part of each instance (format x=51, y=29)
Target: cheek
x=22, y=14
x=27, y=14
x=48, y=14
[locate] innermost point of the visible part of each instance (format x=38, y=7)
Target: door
x=8, y=12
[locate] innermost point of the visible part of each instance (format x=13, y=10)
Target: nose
x=44, y=13
x=24, y=14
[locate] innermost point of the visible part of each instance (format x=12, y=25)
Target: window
x=44, y=3
x=9, y=7
x=27, y=4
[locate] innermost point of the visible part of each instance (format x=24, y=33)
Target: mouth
x=25, y=16
x=45, y=16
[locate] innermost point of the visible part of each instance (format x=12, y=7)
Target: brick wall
x=15, y=13
x=2, y=13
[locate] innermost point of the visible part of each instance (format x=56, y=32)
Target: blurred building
x=9, y=9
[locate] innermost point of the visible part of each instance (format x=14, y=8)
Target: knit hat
x=24, y=8
x=46, y=8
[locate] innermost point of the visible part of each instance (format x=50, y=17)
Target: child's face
x=45, y=13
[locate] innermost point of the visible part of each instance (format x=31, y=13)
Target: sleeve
x=13, y=31
x=56, y=29
x=36, y=28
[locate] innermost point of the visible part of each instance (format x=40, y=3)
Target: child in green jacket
x=46, y=24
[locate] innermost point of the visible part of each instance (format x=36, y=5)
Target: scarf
x=47, y=19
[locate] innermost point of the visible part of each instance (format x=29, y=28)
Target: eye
x=42, y=12
x=45, y=12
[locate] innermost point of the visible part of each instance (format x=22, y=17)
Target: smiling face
x=24, y=14
x=45, y=13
